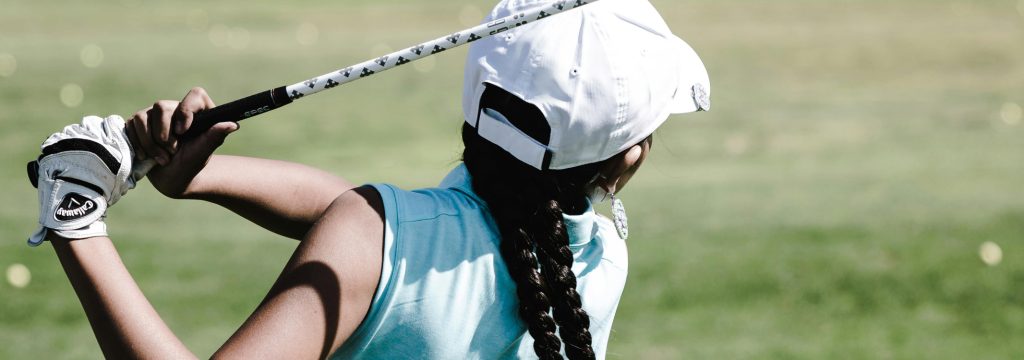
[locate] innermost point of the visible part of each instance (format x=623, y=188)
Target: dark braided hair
x=528, y=205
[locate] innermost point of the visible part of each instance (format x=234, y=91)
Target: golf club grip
x=237, y=110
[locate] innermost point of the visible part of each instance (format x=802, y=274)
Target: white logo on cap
x=701, y=97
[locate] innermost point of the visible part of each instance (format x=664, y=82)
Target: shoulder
x=615, y=251
x=434, y=223
x=325, y=290
x=348, y=238
x=352, y=225
x=359, y=210
x=438, y=272
x=426, y=204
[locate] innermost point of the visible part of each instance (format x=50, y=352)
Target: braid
x=556, y=266
x=534, y=303
x=517, y=248
x=527, y=206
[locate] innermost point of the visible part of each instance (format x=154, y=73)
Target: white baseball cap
x=603, y=76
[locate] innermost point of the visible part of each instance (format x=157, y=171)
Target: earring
x=619, y=217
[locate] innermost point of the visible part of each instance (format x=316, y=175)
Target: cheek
x=624, y=179
x=633, y=169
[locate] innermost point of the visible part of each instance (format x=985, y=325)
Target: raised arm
x=320, y=298
x=283, y=197
x=125, y=324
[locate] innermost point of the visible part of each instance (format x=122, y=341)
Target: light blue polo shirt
x=445, y=292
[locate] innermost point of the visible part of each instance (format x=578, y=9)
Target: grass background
x=830, y=206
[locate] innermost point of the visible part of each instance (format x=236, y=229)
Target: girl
x=506, y=258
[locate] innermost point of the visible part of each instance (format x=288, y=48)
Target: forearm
x=283, y=197
x=125, y=324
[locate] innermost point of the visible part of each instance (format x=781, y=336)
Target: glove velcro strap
x=90, y=146
x=78, y=166
x=71, y=206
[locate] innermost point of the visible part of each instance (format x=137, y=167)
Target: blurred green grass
x=830, y=206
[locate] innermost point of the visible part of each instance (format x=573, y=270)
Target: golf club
x=268, y=100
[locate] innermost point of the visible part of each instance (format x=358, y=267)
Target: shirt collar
x=581, y=228
x=459, y=180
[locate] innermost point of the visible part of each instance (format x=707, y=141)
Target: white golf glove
x=83, y=170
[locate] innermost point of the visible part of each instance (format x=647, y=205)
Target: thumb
x=217, y=133
x=205, y=144
x=223, y=129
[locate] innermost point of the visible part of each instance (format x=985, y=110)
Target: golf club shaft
x=268, y=100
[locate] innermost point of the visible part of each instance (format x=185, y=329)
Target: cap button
x=701, y=97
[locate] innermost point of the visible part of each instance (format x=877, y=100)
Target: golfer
x=506, y=258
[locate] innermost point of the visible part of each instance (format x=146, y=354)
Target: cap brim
x=694, y=92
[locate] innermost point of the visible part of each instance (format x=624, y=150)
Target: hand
x=156, y=132
x=83, y=169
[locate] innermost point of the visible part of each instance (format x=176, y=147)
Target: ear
x=616, y=170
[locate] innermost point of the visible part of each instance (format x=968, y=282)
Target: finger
x=143, y=142
x=170, y=143
x=160, y=126
x=133, y=137
x=151, y=143
x=195, y=101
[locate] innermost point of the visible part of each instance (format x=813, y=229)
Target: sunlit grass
x=838, y=202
